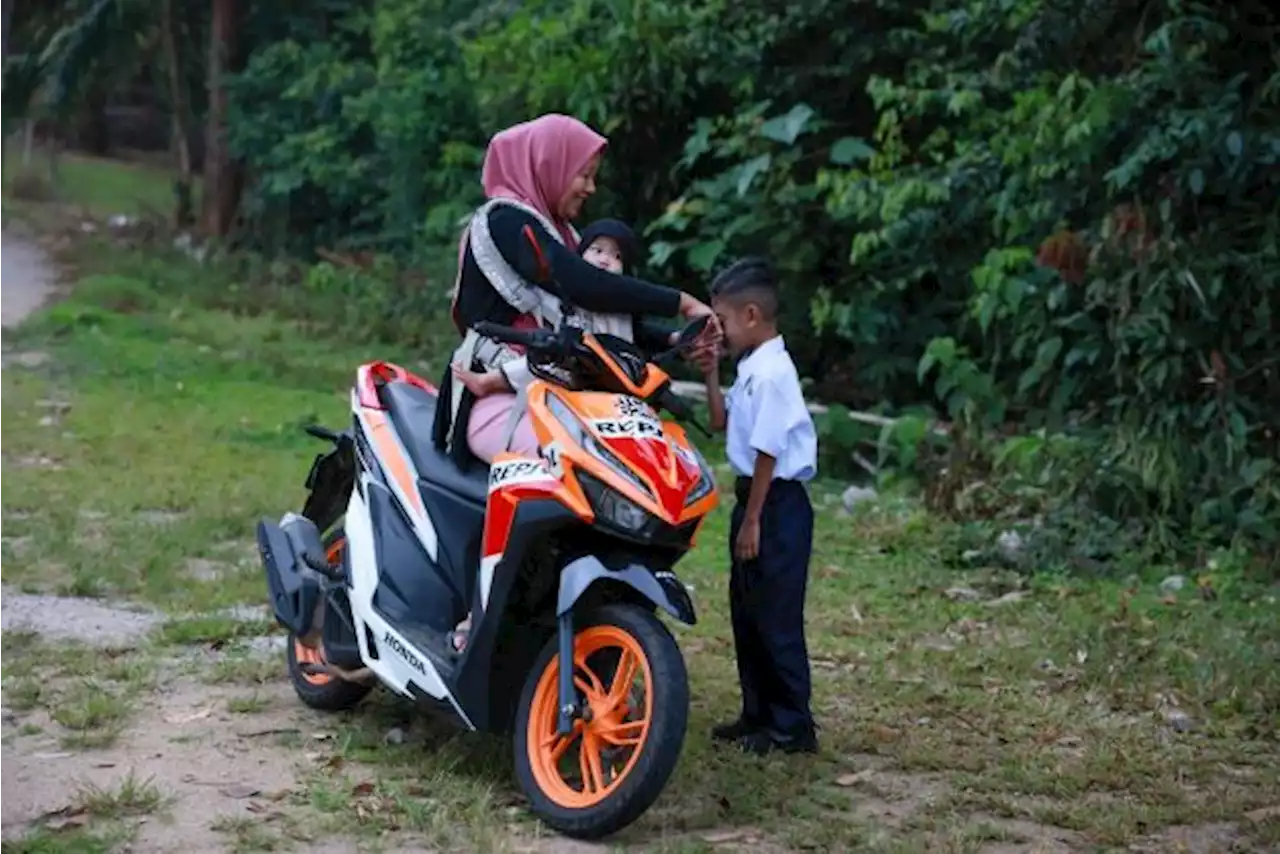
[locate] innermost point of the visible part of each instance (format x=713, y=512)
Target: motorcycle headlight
x=612, y=506
x=574, y=426
x=706, y=482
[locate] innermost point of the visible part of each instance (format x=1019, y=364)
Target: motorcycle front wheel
x=630, y=674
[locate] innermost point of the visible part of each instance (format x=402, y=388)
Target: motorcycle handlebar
x=509, y=335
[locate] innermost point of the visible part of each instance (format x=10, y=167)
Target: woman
x=536, y=174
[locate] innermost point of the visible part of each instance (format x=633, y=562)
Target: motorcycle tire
x=320, y=690
x=652, y=728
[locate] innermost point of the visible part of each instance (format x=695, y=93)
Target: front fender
x=662, y=588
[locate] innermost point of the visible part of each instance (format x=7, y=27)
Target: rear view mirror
x=691, y=332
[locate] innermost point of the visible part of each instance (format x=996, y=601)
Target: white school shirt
x=767, y=414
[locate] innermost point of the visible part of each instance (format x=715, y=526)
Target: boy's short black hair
x=750, y=279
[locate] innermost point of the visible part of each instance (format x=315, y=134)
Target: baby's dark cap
x=619, y=231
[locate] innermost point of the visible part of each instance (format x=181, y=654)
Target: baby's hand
x=481, y=385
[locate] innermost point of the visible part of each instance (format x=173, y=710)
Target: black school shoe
x=735, y=731
x=765, y=741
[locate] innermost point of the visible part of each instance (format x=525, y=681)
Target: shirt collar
x=760, y=356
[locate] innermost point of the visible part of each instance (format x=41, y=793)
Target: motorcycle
x=562, y=557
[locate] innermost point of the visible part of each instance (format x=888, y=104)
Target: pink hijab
x=536, y=161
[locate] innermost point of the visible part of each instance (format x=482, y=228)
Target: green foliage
x=1037, y=219
x=363, y=139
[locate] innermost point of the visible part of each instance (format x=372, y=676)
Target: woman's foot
x=458, y=637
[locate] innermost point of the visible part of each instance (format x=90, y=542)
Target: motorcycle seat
x=413, y=411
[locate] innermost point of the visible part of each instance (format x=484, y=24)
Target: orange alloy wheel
x=307, y=655
x=600, y=752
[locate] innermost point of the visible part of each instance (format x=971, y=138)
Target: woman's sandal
x=458, y=637
x=458, y=640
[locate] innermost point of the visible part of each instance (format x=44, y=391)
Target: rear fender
x=662, y=588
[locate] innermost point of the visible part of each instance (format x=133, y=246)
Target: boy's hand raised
x=706, y=356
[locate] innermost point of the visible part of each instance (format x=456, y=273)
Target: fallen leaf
x=363, y=788
x=855, y=778
x=60, y=819
x=857, y=615
x=1265, y=814
x=884, y=733
x=1008, y=598
x=278, y=795
x=72, y=821
x=335, y=763
x=239, y=791
x=273, y=731
x=716, y=837
x=200, y=714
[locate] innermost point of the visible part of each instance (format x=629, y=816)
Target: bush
x=1053, y=224
x=30, y=187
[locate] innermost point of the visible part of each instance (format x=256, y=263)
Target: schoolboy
x=772, y=448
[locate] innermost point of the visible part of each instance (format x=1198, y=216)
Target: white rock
x=1173, y=584
x=1010, y=544
x=962, y=594
x=1179, y=720
x=855, y=495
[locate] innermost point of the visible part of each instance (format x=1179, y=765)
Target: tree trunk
x=91, y=132
x=5, y=21
x=4, y=37
x=221, y=176
x=180, y=119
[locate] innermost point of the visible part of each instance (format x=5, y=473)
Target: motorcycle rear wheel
x=612, y=767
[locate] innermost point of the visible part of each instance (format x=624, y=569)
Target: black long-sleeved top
x=586, y=286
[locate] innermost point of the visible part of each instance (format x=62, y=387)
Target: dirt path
x=214, y=768
x=27, y=278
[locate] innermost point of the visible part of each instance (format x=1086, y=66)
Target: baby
x=607, y=244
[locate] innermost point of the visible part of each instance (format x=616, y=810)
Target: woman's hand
x=691, y=308
x=481, y=385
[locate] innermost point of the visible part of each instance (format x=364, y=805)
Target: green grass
x=946, y=725
x=131, y=797
x=104, y=187
x=97, y=821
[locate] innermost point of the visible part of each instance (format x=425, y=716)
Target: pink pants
x=487, y=429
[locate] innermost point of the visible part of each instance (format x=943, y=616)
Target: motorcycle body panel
x=612, y=501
